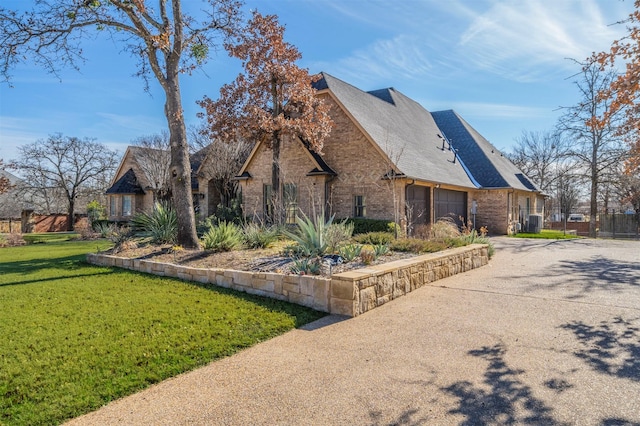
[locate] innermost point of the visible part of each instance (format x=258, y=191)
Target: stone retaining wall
x=349, y=293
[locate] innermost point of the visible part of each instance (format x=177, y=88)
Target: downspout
x=406, y=198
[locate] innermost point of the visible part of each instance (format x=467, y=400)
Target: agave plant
x=310, y=235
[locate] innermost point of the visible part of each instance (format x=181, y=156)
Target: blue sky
x=502, y=64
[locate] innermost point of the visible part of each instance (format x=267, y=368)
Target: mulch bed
x=258, y=260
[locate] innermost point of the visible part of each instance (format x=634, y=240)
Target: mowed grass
x=547, y=234
x=76, y=336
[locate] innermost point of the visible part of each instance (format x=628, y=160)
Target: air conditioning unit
x=535, y=223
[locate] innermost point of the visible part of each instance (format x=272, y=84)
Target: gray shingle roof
x=402, y=128
x=127, y=184
x=485, y=163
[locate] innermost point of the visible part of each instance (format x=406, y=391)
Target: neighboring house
x=12, y=202
x=389, y=158
x=137, y=184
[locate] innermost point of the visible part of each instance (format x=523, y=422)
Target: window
x=290, y=202
x=126, y=205
x=359, y=206
x=268, y=202
x=112, y=206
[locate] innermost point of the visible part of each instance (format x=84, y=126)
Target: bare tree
x=538, y=154
x=166, y=40
x=154, y=159
x=221, y=164
x=63, y=165
x=592, y=127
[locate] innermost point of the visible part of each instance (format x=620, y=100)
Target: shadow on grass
x=611, y=347
x=42, y=270
x=504, y=398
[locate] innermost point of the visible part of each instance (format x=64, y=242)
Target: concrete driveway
x=547, y=333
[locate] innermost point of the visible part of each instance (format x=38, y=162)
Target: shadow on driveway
x=611, y=347
x=504, y=400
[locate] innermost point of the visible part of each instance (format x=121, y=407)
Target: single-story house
x=387, y=157
x=137, y=184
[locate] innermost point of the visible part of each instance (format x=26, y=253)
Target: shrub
x=367, y=255
x=121, y=237
x=444, y=228
x=96, y=211
x=338, y=233
x=225, y=236
x=258, y=236
x=232, y=213
x=85, y=230
x=160, y=226
x=12, y=239
x=350, y=251
x=417, y=245
x=374, y=238
x=310, y=235
x=363, y=225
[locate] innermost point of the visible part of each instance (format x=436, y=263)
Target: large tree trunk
x=70, y=211
x=593, y=207
x=180, y=168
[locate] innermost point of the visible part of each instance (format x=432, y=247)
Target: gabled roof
x=138, y=154
x=320, y=167
x=488, y=167
x=127, y=184
x=401, y=128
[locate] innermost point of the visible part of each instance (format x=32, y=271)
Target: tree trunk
x=180, y=168
x=70, y=211
x=593, y=207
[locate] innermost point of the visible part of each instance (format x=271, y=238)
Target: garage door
x=451, y=204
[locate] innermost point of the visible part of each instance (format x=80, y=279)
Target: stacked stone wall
x=350, y=293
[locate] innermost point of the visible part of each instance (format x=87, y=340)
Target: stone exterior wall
x=349, y=293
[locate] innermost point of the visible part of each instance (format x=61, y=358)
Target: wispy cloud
x=500, y=111
x=520, y=40
x=529, y=40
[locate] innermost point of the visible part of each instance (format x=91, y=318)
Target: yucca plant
x=160, y=226
x=258, y=236
x=226, y=236
x=310, y=235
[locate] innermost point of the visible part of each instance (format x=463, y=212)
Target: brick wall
x=359, y=166
x=492, y=210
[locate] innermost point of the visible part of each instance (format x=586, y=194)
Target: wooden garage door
x=451, y=204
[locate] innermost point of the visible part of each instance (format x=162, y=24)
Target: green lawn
x=49, y=237
x=546, y=234
x=76, y=336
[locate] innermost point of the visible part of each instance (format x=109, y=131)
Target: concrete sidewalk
x=547, y=333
